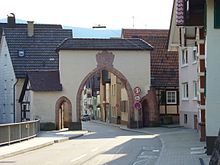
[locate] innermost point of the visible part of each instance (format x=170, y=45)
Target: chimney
x=30, y=28
x=11, y=20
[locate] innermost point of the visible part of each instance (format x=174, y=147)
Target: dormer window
x=21, y=53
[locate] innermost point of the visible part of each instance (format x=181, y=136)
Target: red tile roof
x=164, y=64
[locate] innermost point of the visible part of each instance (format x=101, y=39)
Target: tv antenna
x=133, y=21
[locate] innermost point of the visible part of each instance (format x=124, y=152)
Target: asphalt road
x=103, y=145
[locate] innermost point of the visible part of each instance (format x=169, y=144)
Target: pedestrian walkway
x=44, y=139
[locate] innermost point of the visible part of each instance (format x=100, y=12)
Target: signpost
x=137, y=103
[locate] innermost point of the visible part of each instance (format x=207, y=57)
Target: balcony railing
x=14, y=132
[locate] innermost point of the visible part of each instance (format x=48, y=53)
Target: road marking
x=196, y=148
x=118, y=150
x=198, y=152
x=95, y=149
x=78, y=158
x=147, y=157
x=140, y=161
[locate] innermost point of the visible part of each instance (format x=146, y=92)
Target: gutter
x=14, y=101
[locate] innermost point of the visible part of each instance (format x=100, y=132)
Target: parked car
x=86, y=118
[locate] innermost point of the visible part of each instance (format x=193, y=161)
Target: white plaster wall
x=43, y=105
x=7, y=80
x=76, y=65
x=188, y=74
x=135, y=66
x=213, y=76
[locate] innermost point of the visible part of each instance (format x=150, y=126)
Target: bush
x=47, y=126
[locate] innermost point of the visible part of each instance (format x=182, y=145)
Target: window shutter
x=217, y=14
x=162, y=97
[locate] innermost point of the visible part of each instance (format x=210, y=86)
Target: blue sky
x=115, y=14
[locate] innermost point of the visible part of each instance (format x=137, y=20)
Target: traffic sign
x=137, y=105
x=137, y=90
x=137, y=98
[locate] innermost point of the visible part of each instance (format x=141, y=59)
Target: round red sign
x=137, y=90
x=137, y=105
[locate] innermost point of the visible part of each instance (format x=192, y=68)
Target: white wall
x=188, y=74
x=43, y=105
x=7, y=80
x=212, y=73
x=76, y=65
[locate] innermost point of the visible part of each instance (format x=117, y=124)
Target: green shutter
x=217, y=14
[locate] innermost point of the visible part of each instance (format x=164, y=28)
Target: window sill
x=195, y=99
x=194, y=62
x=184, y=65
x=185, y=99
x=171, y=103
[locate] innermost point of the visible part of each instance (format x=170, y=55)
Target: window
x=195, y=89
x=124, y=106
x=171, y=97
x=184, y=58
x=113, y=90
x=217, y=14
x=21, y=53
x=185, y=119
x=185, y=92
x=194, y=55
x=162, y=97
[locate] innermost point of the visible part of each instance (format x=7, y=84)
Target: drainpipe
x=14, y=98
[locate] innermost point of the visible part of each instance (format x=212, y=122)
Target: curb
x=67, y=138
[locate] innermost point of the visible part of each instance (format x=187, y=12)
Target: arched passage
x=122, y=78
x=63, y=113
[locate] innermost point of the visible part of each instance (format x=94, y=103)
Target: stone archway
x=63, y=113
x=105, y=62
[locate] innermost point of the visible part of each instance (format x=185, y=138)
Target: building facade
x=24, y=47
x=212, y=77
x=197, y=23
x=79, y=61
x=164, y=74
x=187, y=36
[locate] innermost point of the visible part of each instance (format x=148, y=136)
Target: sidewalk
x=45, y=138
x=180, y=146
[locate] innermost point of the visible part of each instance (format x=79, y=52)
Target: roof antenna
x=133, y=22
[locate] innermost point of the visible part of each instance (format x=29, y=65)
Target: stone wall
x=151, y=108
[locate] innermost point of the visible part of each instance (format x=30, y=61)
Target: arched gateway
x=63, y=113
x=80, y=59
x=55, y=96
x=105, y=62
